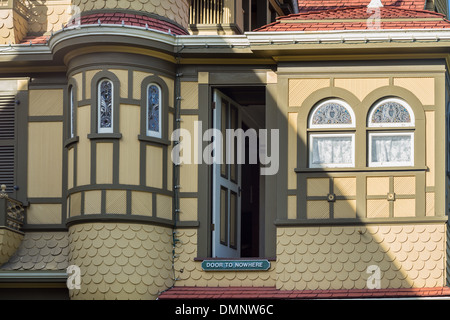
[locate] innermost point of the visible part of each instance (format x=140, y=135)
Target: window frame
x=313, y=135
x=72, y=112
x=390, y=129
x=370, y=124
x=331, y=130
x=373, y=164
x=331, y=126
x=149, y=132
x=99, y=97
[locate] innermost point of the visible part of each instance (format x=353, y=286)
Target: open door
x=226, y=235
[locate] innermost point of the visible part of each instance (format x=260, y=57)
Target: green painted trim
x=128, y=202
x=190, y=112
x=123, y=187
x=45, y=200
x=188, y=194
x=70, y=142
x=440, y=146
x=21, y=150
x=116, y=161
x=104, y=136
x=45, y=228
x=359, y=170
x=45, y=119
x=359, y=221
x=268, y=234
x=33, y=276
x=121, y=60
x=154, y=141
x=282, y=100
x=204, y=235
x=124, y=218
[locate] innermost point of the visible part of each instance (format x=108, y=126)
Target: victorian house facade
x=346, y=101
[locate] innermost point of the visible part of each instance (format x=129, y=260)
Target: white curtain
x=391, y=149
x=332, y=151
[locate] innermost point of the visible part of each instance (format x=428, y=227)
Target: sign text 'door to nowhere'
x=235, y=265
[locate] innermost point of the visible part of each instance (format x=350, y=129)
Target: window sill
x=71, y=141
x=96, y=136
x=154, y=140
x=368, y=169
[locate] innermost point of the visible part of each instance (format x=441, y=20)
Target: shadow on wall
x=348, y=229
x=358, y=239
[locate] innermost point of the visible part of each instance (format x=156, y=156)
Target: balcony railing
x=216, y=16
x=11, y=211
x=206, y=12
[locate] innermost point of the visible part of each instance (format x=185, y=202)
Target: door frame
x=219, y=249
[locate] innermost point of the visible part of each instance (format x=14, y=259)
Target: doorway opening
x=238, y=187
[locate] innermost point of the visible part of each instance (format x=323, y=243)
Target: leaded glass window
x=329, y=148
x=72, y=112
x=333, y=113
x=393, y=147
x=391, y=113
x=154, y=111
x=105, y=106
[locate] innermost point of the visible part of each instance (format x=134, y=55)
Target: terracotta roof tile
x=132, y=20
x=341, y=19
x=319, y=5
x=116, y=18
x=35, y=40
x=180, y=293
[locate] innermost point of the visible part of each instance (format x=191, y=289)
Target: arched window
x=105, y=106
x=391, y=112
x=154, y=107
x=332, y=113
x=390, y=145
x=328, y=147
x=72, y=112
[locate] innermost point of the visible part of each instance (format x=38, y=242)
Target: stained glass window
x=105, y=106
x=392, y=147
x=154, y=111
x=331, y=149
x=332, y=113
x=391, y=113
x=72, y=113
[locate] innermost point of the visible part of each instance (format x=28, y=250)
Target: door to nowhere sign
x=235, y=265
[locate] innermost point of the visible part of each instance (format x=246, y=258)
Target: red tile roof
x=35, y=40
x=359, y=18
x=116, y=18
x=129, y=19
x=319, y=5
x=179, y=293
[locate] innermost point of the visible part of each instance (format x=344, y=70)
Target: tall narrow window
x=105, y=106
x=72, y=112
x=154, y=111
x=328, y=147
x=390, y=145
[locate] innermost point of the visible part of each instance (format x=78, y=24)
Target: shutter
x=7, y=141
